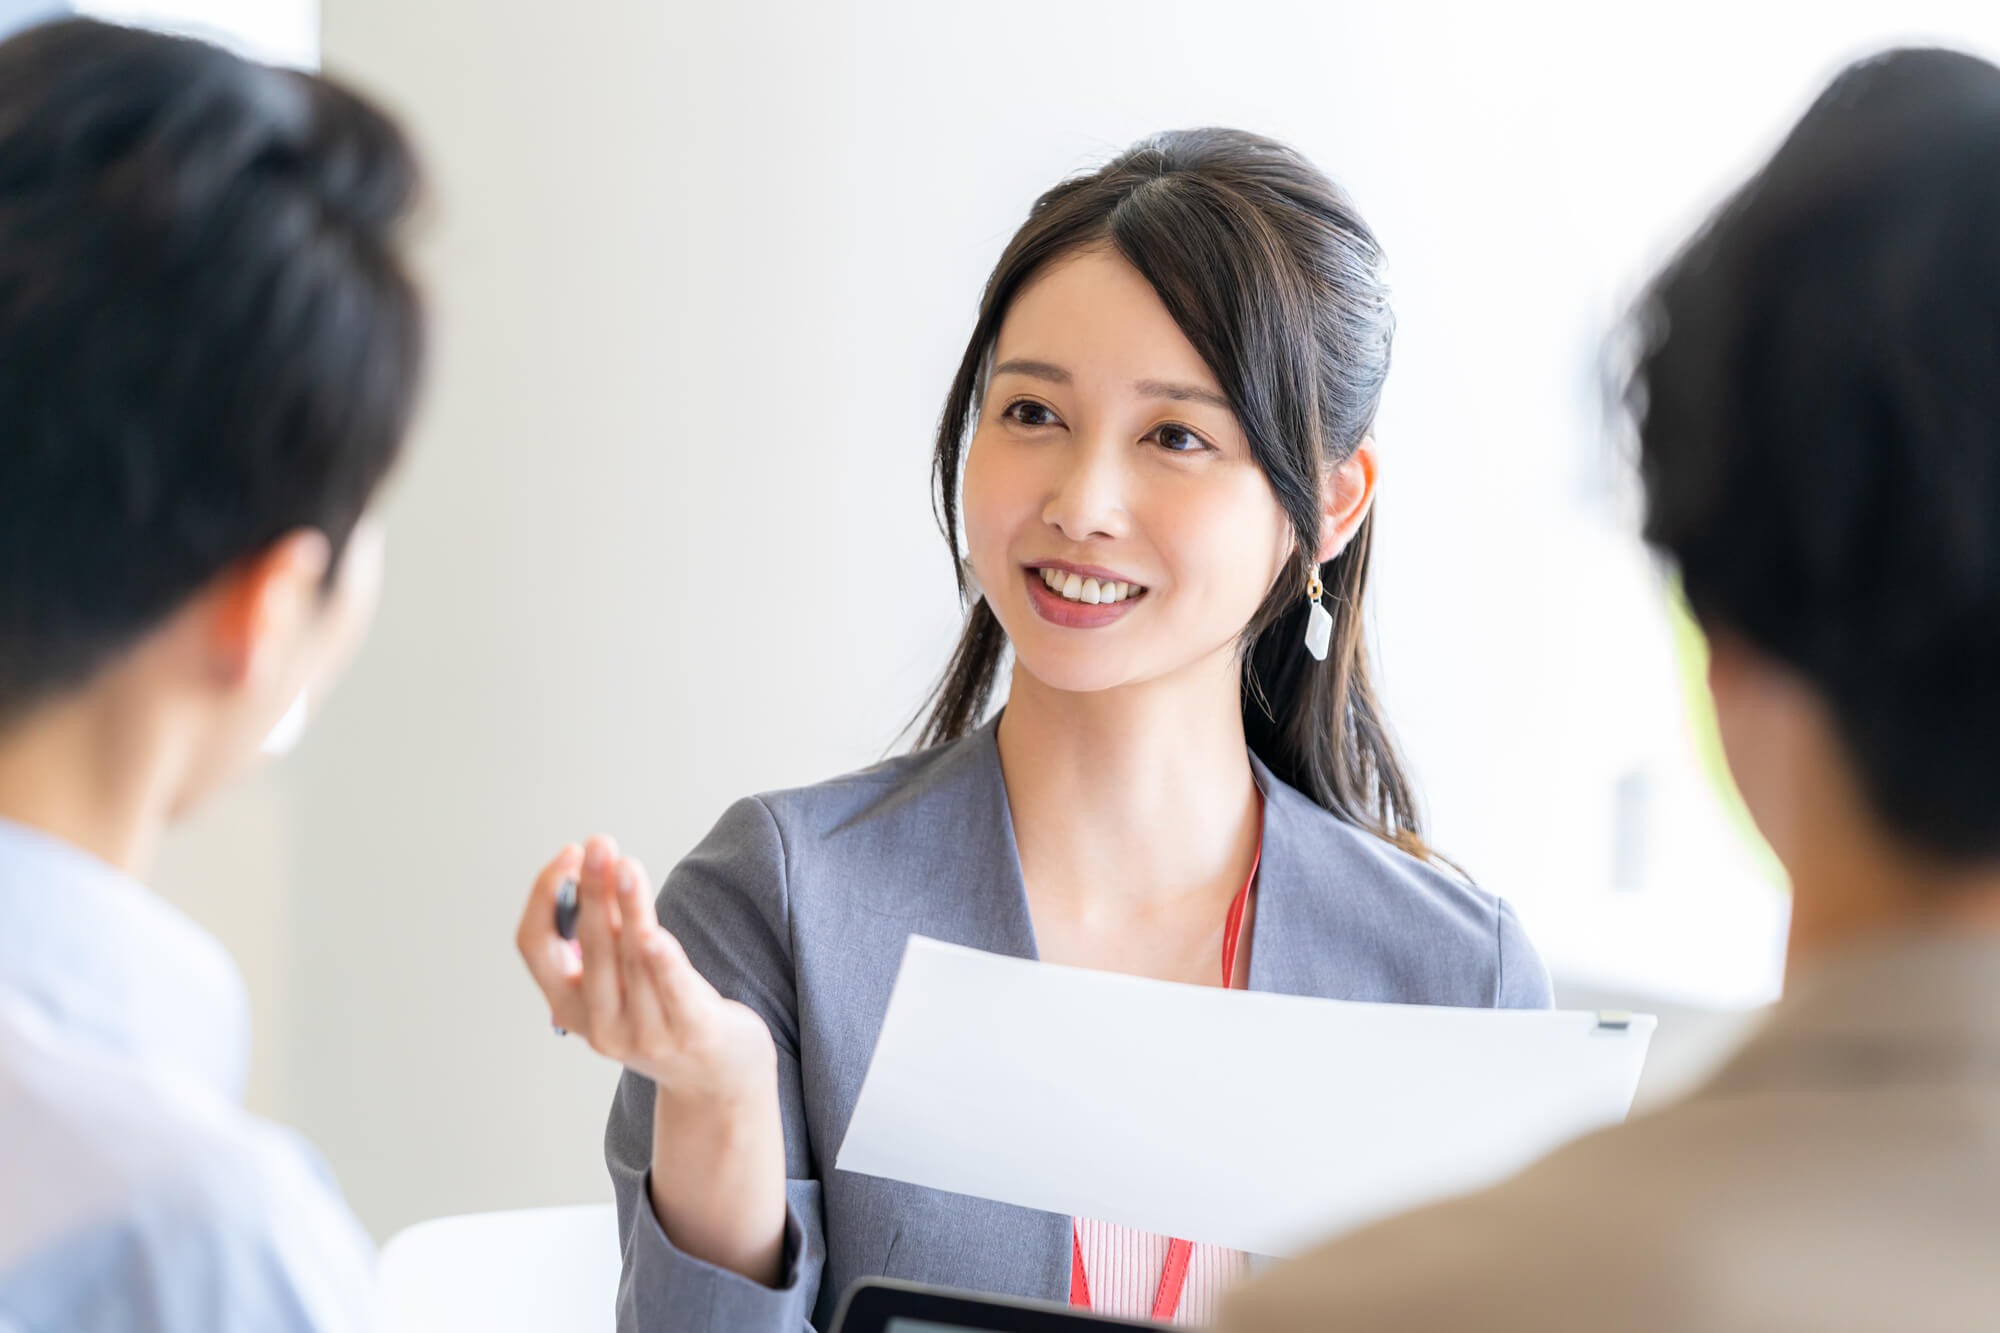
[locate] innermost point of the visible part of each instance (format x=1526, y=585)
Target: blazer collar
x=998, y=909
x=1279, y=960
x=1281, y=936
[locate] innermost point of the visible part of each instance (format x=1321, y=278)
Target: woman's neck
x=1135, y=799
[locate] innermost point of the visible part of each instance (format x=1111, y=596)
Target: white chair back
x=528, y=1271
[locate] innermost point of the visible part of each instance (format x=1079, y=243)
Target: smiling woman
x=1156, y=457
x=1266, y=368
x=1134, y=458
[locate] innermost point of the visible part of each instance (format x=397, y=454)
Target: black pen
x=565, y=927
x=566, y=909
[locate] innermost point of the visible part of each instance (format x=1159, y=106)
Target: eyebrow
x=1168, y=389
x=1038, y=370
x=1182, y=393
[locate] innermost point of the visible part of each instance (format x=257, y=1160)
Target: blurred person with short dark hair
x=1818, y=400
x=209, y=350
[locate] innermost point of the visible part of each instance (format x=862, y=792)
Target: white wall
x=284, y=32
x=701, y=273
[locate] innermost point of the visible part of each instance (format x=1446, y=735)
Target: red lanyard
x=1173, y=1277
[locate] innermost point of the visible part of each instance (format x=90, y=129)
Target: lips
x=1079, y=612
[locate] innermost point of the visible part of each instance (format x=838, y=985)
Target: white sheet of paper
x=1255, y=1121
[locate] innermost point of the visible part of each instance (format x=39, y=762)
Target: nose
x=1087, y=494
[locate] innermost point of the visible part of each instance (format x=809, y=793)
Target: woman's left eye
x=1179, y=440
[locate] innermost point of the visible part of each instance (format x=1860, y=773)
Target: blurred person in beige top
x=1818, y=406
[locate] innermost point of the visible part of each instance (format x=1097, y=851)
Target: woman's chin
x=1074, y=671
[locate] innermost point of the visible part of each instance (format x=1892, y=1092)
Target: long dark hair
x=1277, y=282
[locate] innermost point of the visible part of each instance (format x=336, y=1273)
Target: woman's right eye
x=1028, y=412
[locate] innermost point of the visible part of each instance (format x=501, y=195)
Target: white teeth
x=1090, y=592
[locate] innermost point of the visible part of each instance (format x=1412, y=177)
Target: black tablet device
x=879, y=1305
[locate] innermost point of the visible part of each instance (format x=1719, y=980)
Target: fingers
x=552, y=960
x=639, y=933
x=652, y=956
x=684, y=990
x=597, y=933
x=625, y=984
x=638, y=918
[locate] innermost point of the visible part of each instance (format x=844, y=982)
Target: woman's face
x=1116, y=521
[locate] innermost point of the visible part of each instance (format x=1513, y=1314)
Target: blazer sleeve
x=1520, y=980
x=728, y=904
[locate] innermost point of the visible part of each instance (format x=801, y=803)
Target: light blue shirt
x=136, y=1193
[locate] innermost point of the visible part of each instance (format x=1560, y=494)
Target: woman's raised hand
x=626, y=986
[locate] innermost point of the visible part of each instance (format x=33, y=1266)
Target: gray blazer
x=799, y=904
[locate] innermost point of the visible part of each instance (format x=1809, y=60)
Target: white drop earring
x=1319, y=625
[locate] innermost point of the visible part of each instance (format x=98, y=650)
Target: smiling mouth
x=1086, y=591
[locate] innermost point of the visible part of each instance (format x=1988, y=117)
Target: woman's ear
x=1347, y=495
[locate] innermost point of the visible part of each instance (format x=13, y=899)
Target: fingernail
x=594, y=857
x=628, y=882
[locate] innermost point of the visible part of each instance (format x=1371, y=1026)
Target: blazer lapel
x=1003, y=895
x=977, y=1241
x=968, y=843
x=1280, y=937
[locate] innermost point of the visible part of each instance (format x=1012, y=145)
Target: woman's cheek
x=986, y=508
x=1222, y=552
